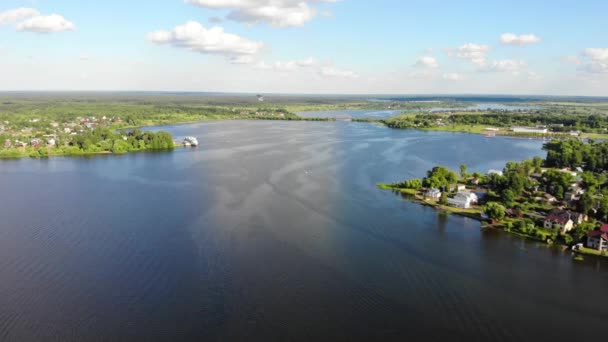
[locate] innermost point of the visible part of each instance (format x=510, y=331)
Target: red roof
x=604, y=228
x=557, y=218
x=597, y=233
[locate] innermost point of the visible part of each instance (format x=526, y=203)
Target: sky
x=306, y=46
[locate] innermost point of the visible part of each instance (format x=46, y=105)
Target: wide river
x=275, y=231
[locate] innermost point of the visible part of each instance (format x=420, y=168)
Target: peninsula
x=562, y=199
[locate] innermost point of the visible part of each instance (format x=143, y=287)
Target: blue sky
x=305, y=46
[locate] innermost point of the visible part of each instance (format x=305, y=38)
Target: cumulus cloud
x=520, y=40
x=278, y=13
x=46, y=24
x=476, y=53
x=596, y=60
x=244, y=59
x=195, y=37
x=288, y=65
x=453, y=76
x=533, y=76
x=427, y=62
x=16, y=15
x=331, y=71
x=505, y=65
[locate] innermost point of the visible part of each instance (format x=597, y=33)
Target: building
x=550, y=198
x=574, y=193
x=560, y=221
x=457, y=187
x=463, y=200
x=598, y=239
x=537, y=130
x=433, y=193
x=578, y=218
x=495, y=172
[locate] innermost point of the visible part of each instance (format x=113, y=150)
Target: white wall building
x=463, y=200
x=539, y=130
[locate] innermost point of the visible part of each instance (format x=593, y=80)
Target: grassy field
x=589, y=251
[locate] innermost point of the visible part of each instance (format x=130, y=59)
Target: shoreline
x=469, y=130
x=475, y=214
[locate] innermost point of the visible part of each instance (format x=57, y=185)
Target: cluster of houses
x=560, y=221
x=50, y=140
x=462, y=199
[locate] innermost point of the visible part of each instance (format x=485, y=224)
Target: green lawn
x=585, y=250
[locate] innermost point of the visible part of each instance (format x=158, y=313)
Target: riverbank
x=490, y=131
x=416, y=197
x=505, y=225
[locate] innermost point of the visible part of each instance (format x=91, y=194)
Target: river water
x=275, y=231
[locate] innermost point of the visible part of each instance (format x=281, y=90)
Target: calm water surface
x=275, y=231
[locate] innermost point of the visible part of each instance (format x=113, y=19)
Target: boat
x=190, y=141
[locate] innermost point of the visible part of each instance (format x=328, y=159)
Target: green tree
x=508, y=197
x=463, y=171
x=439, y=177
x=495, y=210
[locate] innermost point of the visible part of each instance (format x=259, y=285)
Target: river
x=276, y=231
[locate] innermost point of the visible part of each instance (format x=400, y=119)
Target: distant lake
x=275, y=231
x=383, y=114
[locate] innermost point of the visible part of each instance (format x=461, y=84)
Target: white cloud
x=427, y=62
x=453, y=76
x=596, y=60
x=330, y=71
x=195, y=37
x=533, y=76
x=288, y=65
x=505, y=65
x=278, y=13
x=520, y=40
x=309, y=62
x=17, y=14
x=243, y=59
x=46, y=24
x=597, y=54
x=476, y=53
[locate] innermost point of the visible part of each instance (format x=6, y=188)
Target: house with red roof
x=598, y=239
x=560, y=221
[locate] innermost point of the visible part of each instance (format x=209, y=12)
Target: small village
x=556, y=206
x=37, y=133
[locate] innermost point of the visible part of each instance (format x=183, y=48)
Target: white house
x=598, y=239
x=559, y=221
x=433, y=193
x=463, y=200
x=539, y=130
x=457, y=187
x=495, y=172
x=574, y=193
